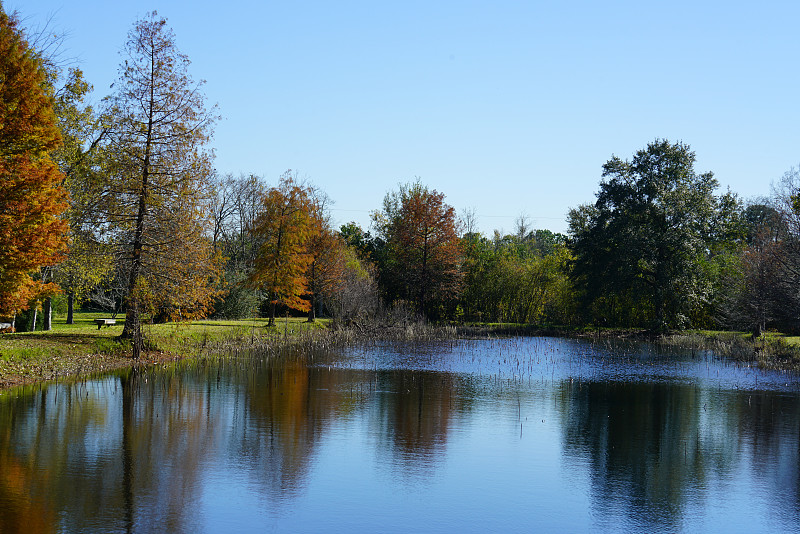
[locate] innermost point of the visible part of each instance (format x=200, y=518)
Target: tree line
x=121, y=207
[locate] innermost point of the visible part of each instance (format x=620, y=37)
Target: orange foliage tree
x=284, y=225
x=424, y=256
x=31, y=195
x=328, y=253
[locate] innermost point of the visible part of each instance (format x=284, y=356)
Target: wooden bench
x=106, y=322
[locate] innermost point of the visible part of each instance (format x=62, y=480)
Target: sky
x=509, y=108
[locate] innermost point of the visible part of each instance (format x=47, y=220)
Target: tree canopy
x=285, y=226
x=32, y=198
x=423, y=248
x=157, y=200
x=637, y=249
x=123, y=207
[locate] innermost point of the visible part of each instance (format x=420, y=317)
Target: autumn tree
x=32, y=234
x=326, y=247
x=157, y=199
x=423, y=256
x=80, y=133
x=285, y=226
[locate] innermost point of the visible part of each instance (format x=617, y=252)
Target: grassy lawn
x=81, y=348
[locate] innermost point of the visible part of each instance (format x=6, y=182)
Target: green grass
x=82, y=348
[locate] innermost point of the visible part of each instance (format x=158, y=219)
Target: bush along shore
x=82, y=350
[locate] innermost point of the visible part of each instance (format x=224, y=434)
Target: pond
x=503, y=435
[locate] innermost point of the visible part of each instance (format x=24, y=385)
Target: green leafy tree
x=637, y=250
x=482, y=294
x=509, y=279
x=87, y=263
x=368, y=247
x=82, y=159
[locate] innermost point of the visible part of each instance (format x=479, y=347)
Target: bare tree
x=469, y=220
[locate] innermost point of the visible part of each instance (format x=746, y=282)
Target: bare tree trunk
x=47, y=312
x=33, y=320
x=70, y=308
x=133, y=325
x=311, y=310
x=313, y=294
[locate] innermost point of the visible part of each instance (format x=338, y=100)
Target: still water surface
x=510, y=435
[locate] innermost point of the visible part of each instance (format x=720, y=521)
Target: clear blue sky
x=506, y=107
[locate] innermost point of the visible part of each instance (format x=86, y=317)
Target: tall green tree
x=82, y=159
x=32, y=197
x=637, y=250
x=158, y=198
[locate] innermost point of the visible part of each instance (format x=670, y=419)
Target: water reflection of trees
x=23, y=508
x=288, y=406
x=131, y=452
x=119, y=454
x=411, y=417
x=169, y=429
x=653, y=448
x=769, y=424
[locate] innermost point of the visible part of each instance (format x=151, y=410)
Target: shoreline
x=769, y=352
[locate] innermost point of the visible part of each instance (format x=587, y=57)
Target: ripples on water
x=506, y=435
